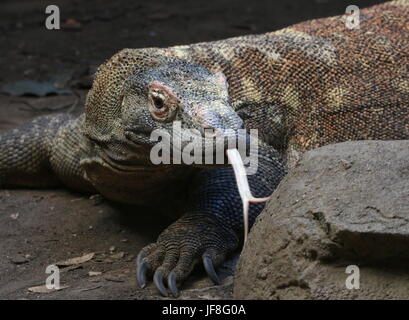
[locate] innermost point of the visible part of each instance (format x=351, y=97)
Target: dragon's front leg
x=211, y=229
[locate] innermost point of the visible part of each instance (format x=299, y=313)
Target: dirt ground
x=42, y=227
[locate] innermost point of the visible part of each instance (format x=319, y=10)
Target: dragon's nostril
x=233, y=121
x=210, y=120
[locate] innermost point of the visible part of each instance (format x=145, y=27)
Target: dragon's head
x=149, y=104
x=130, y=107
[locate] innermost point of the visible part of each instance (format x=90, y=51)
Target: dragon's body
x=302, y=87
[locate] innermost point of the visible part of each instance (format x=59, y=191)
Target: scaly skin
x=302, y=87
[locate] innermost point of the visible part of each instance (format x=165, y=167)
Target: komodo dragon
x=305, y=86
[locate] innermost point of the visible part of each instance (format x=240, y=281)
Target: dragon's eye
x=163, y=102
x=158, y=102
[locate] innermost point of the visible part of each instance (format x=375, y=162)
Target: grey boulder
x=341, y=205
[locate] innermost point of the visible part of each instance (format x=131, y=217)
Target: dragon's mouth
x=139, y=139
x=141, y=163
x=125, y=167
x=129, y=167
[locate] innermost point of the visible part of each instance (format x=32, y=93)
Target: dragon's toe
x=179, y=248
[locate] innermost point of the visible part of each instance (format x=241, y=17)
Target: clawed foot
x=193, y=238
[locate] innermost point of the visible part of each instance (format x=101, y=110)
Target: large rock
x=343, y=204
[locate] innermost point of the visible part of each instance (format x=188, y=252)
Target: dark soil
x=41, y=227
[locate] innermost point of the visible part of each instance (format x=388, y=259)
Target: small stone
x=114, y=257
x=118, y=255
x=97, y=199
x=20, y=259
x=115, y=277
x=71, y=25
x=14, y=216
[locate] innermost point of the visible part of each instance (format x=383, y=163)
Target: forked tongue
x=243, y=186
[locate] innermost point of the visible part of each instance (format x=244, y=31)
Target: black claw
x=141, y=269
x=208, y=265
x=158, y=280
x=172, y=284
